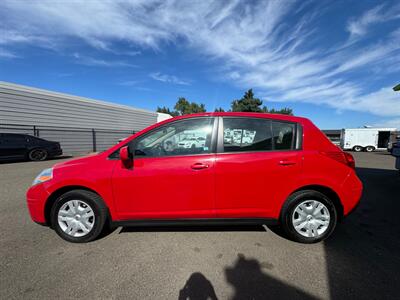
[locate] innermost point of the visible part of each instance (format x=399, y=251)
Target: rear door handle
x=287, y=162
x=199, y=166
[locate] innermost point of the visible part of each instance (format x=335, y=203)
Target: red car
x=252, y=168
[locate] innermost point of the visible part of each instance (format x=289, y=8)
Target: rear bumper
x=36, y=199
x=352, y=192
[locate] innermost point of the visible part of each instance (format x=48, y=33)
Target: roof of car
x=244, y=114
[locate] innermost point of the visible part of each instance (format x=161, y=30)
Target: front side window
x=241, y=134
x=187, y=137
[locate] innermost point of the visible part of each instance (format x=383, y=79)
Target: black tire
x=38, y=154
x=370, y=148
x=94, y=201
x=357, y=148
x=288, y=210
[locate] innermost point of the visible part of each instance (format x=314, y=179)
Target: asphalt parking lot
x=360, y=260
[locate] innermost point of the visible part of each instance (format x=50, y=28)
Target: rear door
x=256, y=160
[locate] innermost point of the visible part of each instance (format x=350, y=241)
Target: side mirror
x=126, y=157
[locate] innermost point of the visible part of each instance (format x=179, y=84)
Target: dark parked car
x=24, y=146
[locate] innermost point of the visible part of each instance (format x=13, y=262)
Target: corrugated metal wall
x=68, y=119
x=30, y=106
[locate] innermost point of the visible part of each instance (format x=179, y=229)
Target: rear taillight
x=342, y=157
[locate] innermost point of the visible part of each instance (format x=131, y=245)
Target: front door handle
x=199, y=166
x=287, y=162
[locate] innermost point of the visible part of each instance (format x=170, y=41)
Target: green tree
x=248, y=103
x=219, y=109
x=184, y=107
x=282, y=111
x=166, y=110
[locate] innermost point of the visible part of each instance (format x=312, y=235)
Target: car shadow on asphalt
x=249, y=281
x=362, y=255
x=192, y=228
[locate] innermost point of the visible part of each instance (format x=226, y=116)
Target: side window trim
x=299, y=137
x=296, y=139
x=220, y=138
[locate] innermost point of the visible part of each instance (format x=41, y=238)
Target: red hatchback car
x=204, y=168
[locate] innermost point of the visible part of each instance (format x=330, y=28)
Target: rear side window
x=241, y=134
x=283, y=135
x=256, y=134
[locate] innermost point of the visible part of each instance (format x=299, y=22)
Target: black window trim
x=213, y=140
x=297, y=137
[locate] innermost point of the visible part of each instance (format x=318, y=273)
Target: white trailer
x=366, y=139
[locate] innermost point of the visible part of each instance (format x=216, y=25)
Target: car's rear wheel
x=357, y=148
x=369, y=148
x=78, y=216
x=37, y=154
x=308, y=216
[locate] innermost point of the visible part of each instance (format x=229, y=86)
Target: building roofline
x=38, y=91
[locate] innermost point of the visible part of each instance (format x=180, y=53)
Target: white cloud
x=7, y=54
x=168, y=78
x=382, y=13
x=266, y=45
x=388, y=123
x=357, y=27
x=90, y=61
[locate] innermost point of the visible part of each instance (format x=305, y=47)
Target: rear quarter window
x=283, y=135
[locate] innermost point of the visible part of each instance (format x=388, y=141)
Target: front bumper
x=36, y=200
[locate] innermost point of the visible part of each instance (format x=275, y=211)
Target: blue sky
x=334, y=62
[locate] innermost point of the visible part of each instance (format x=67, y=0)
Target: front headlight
x=43, y=176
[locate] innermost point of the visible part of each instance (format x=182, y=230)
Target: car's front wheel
x=308, y=217
x=78, y=216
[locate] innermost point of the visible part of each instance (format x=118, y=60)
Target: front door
x=257, y=160
x=172, y=175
